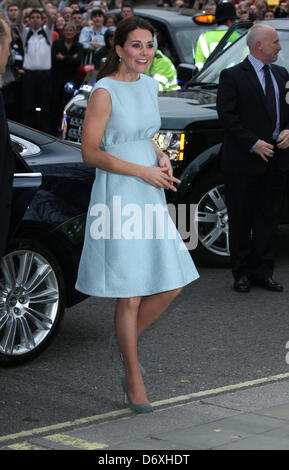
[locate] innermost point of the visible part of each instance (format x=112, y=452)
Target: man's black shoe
x=272, y=285
x=242, y=284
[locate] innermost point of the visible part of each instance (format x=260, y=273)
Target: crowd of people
x=53, y=42
x=246, y=9
x=49, y=46
x=257, y=10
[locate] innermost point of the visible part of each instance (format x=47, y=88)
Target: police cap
x=225, y=11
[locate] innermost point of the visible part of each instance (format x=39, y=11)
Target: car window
x=187, y=39
x=20, y=165
x=235, y=53
x=164, y=41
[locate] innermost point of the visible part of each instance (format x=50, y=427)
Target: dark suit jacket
x=242, y=109
x=7, y=164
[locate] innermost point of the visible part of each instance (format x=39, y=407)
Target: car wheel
x=213, y=231
x=32, y=299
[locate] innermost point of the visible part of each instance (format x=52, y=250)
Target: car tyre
x=213, y=231
x=32, y=301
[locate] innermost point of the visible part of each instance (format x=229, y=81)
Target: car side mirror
x=186, y=72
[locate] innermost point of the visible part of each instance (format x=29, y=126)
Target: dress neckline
x=124, y=81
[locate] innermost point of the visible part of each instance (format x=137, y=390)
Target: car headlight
x=172, y=143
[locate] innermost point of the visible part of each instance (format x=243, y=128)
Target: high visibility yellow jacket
x=164, y=71
x=208, y=41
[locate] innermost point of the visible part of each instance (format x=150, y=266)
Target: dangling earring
x=119, y=59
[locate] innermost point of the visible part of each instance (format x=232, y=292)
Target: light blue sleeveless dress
x=131, y=246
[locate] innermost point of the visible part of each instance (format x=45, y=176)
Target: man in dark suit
x=255, y=156
x=6, y=154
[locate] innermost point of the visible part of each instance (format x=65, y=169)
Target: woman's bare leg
x=152, y=306
x=126, y=315
x=132, y=316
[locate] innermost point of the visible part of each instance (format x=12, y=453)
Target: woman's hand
x=166, y=166
x=164, y=162
x=159, y=177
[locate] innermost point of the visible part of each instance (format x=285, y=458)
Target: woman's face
x=68, y=32
x=109, y=22
x=59, y=23
x=137, y=52
x=98, y=20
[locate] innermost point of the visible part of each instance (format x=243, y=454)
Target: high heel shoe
x=115, y=347
x=139, y=408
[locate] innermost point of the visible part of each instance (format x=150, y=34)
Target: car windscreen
x=187, y=38
x=235, y=53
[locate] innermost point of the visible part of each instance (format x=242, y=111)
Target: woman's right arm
x=96, y=117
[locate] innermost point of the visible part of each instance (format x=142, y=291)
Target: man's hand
x=283, y=139
x=264, y=149
x=50, y=21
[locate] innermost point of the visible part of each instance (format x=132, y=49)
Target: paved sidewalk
x=251, y=418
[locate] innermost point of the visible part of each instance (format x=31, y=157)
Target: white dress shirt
x=37, y=54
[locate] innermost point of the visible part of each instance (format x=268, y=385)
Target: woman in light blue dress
x=132, y=250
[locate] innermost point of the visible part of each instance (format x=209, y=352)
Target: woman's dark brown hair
x=123, y=29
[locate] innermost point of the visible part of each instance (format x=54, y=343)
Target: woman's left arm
x=163, y=159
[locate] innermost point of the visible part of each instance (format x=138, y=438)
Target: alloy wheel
x=213, y=229
x=29, y=301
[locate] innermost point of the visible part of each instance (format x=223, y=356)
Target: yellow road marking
x=25, y=446
x=119, y=413
x=67, y=425
x=226, y=388
x=75, y=442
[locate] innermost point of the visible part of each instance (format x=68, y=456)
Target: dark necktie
x=270, y=95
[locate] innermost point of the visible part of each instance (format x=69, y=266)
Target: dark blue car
x=51, y=194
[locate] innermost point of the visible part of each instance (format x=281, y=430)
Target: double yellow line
x=72, y=442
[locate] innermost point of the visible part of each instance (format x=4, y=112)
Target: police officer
x=225, y=16
x=163, y=70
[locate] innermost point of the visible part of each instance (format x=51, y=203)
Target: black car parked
x=51, y=193
x=192, y=135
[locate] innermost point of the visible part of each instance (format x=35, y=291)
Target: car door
x=25, y=182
